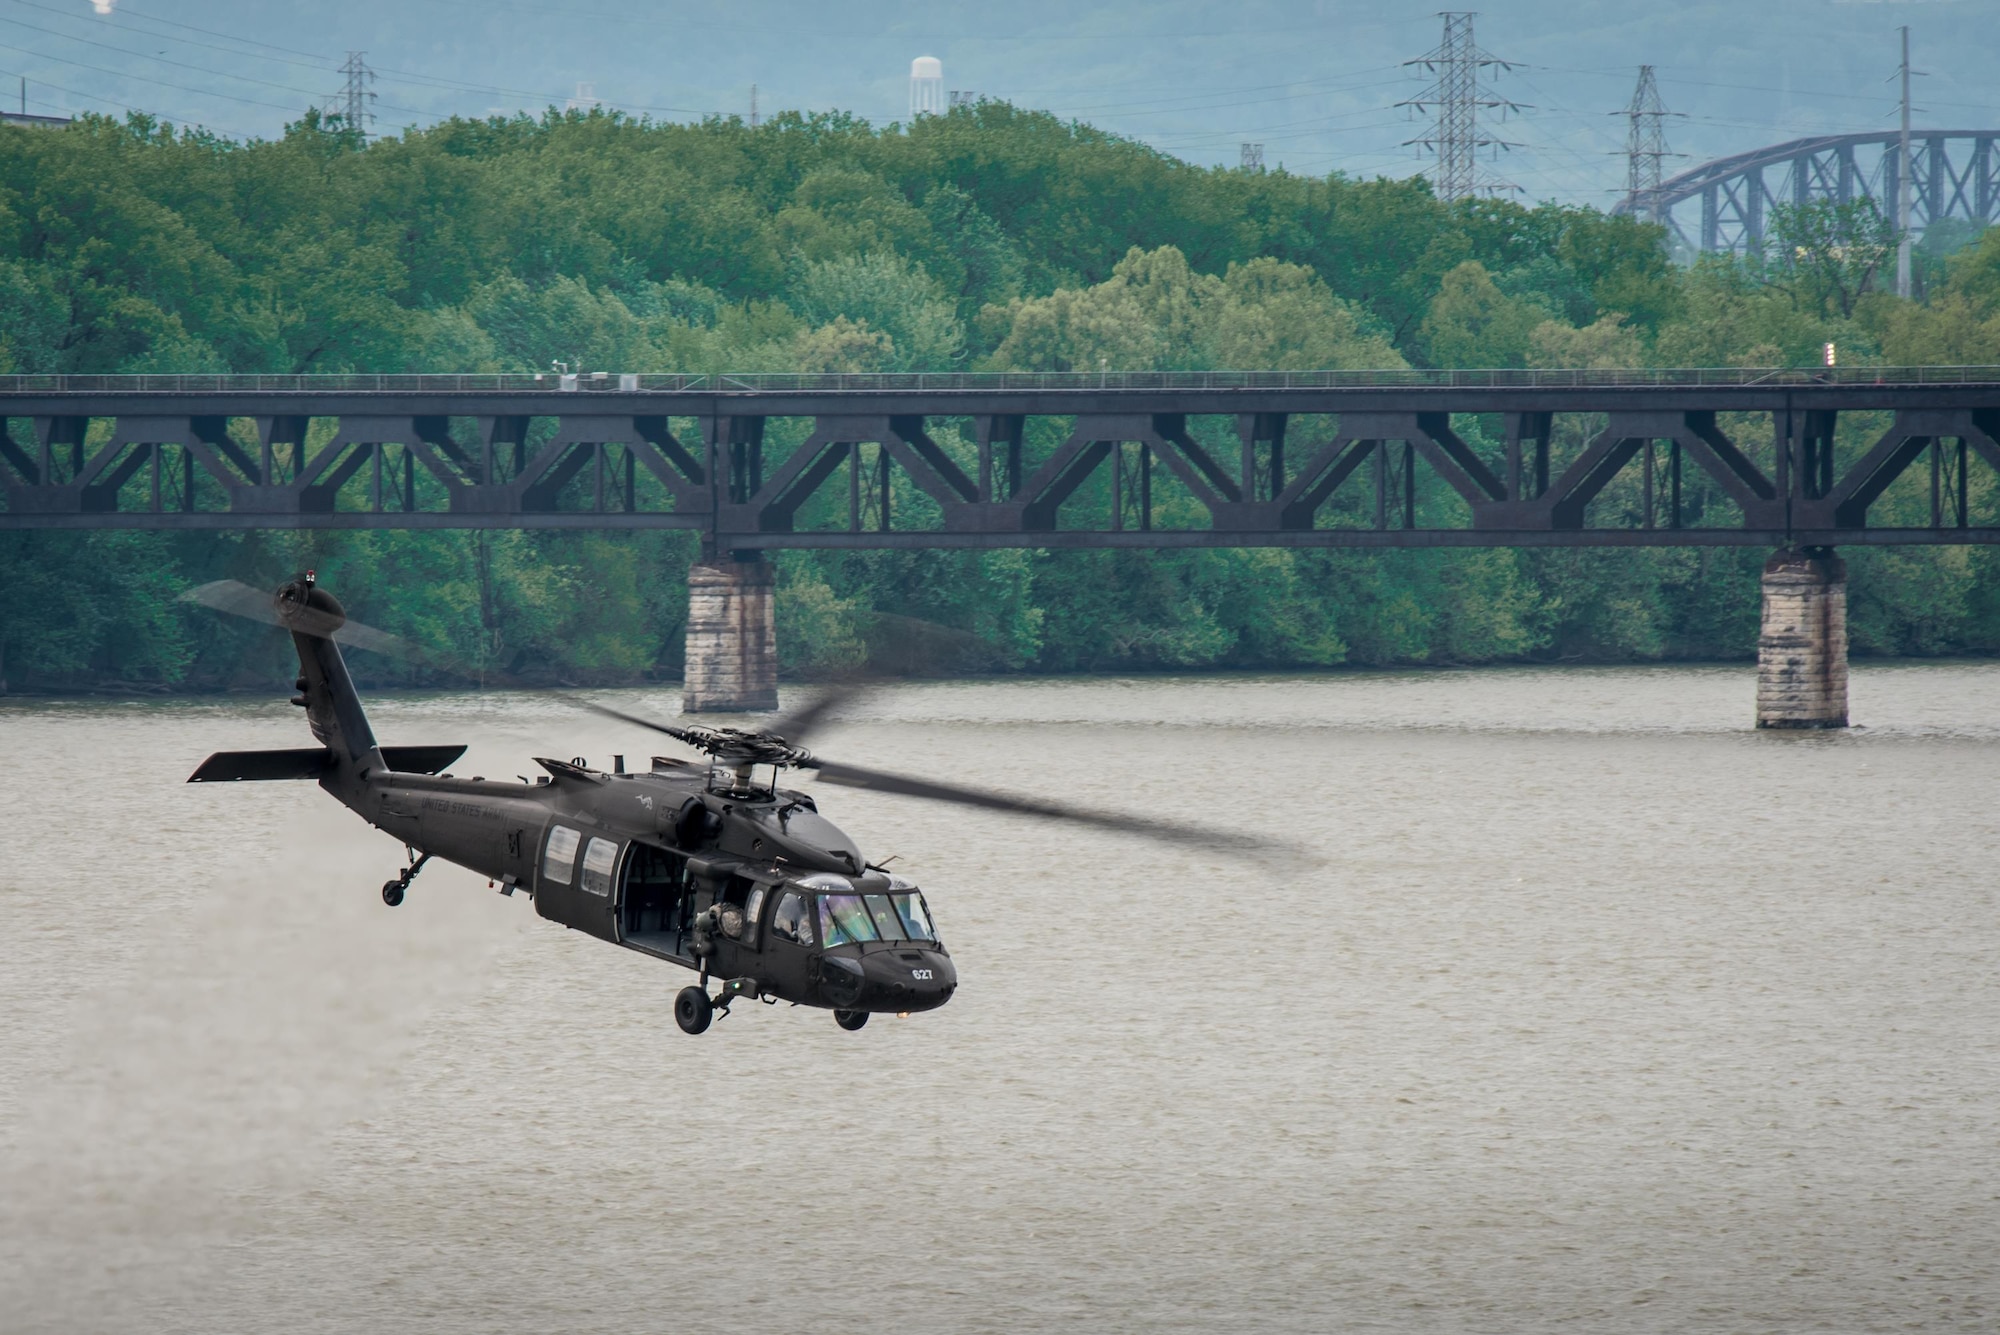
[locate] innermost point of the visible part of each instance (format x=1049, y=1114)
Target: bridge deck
x=1320, y=459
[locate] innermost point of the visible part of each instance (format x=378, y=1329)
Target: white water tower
x=926, y=87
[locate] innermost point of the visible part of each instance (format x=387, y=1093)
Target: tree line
x=990, y=238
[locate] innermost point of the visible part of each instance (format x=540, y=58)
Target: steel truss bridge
x=1333, y=459
x=1955, y=174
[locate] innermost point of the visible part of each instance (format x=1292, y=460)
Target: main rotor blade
x=239, y=599
x=896, y=644
x=797, y=723
x=1173, y=832
x=636, y=720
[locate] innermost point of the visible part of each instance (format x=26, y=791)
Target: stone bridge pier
x=732, y=639
x=1802, y=645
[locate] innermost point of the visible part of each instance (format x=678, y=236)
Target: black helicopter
x=713, y=867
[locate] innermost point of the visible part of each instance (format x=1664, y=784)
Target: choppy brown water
x=1603, y=1012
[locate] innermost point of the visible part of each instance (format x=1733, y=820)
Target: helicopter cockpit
x=830, y=911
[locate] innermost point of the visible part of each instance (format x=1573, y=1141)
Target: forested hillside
x=989, y=238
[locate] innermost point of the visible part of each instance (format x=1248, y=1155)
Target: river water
x=1596, y=1010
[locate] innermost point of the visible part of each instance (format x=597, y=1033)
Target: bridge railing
x=1499, y=378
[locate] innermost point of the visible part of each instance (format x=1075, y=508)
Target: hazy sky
x=1315, y=81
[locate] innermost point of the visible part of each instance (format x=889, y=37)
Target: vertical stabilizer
x=326, y=691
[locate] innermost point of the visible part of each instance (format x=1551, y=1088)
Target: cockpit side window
x=792, y=919
x=916, y=921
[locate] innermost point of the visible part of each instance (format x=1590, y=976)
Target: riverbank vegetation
x=990, y=238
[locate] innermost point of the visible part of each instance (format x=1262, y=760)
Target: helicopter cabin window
x=560, y=861
x=600, y=859
x=792, y=919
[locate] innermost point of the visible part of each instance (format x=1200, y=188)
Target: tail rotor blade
x=239, y=599
x=381, y=642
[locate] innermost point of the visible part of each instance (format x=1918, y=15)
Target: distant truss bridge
x=1725, y=205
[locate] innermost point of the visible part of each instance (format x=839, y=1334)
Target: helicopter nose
x=910, y=980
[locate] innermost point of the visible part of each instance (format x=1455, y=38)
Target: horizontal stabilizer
x=231, y=766
x=420, y=759
x=228, y=766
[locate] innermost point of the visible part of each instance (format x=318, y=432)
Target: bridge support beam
x=732, y=639
x=1802, y=649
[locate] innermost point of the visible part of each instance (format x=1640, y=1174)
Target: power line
x=1253, y=88
x=455, y=85
x=1747, y=87
x=125, y=11
x=317, y=62
x=648, y=23
x=122, y=74
x=1215, y=138
x=44, y=83
x=156, y=59
x=407, y=77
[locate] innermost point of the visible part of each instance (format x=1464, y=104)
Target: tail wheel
x=693, y=1010
x=392, y=893
x=850, y=1020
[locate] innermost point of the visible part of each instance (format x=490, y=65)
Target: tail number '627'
x=922, y=974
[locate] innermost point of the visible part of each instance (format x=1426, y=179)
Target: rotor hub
x=733, y=748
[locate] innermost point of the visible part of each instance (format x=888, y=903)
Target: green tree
x=1826, y=255
x=1471, y=322
x=887, y=293
x=1275, y=316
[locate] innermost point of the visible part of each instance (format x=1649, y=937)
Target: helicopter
x=711, y=866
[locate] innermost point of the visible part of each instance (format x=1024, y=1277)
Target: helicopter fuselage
x=750, y=886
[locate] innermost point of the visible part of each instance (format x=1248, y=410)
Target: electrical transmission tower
x=1456, y=100
x=356, y=99
x=1253, y=157
x=1645, y=147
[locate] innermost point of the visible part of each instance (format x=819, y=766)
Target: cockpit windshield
x=897, y=916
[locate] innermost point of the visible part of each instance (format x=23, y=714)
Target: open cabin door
x=656, y=902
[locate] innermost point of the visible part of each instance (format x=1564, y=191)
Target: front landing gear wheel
x=850, y=1020
x=693, y=1010
x=392, y=893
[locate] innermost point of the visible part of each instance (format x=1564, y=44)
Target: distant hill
x=1315, y=82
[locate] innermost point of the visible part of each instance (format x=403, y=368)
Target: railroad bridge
x=1954, y=175
x=1801, y=463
